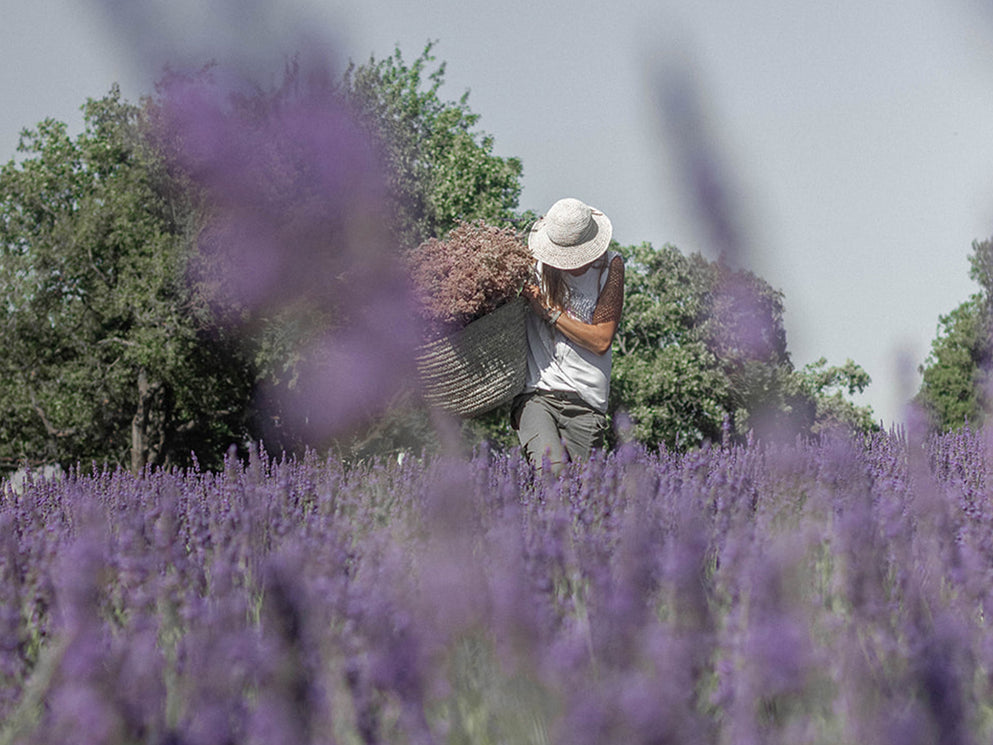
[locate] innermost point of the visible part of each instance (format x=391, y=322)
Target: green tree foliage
x=701, y=353
x=112, y=347
x=113, y=350
x=955, y=385
x=108, y=354
x=440, y=167
x=665, y=376
x=830, y=389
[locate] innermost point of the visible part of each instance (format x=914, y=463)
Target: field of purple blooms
x=831, y=592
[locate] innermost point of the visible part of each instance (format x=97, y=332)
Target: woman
x=577, y=300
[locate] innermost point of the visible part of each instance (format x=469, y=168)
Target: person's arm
x=598, y=335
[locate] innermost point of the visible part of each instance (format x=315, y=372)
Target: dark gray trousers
x=559, y=425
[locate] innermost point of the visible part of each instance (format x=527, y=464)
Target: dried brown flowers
x=472, y=271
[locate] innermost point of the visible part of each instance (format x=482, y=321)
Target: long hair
x=553, y=288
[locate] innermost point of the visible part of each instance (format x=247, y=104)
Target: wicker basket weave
x=479, y=367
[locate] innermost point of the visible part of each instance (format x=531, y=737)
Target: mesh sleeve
x=611, y=300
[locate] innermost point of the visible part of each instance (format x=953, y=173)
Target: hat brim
x=545, y=250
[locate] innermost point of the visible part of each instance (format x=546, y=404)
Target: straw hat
x=571, y=235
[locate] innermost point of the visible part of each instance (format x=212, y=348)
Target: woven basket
x=479, y=367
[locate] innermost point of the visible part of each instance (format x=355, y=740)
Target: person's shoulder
x=615, y=260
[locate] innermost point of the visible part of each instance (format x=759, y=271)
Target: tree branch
x=118, y=340
x=49, y=428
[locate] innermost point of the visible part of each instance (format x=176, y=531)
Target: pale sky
x=855, y=139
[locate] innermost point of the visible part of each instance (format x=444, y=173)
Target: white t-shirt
x=555, y=363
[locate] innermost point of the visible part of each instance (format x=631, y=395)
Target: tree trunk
x=148, y=426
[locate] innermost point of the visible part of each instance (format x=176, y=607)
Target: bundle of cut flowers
x=467, y=274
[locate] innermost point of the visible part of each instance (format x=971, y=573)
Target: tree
x=440, y=168
x=701, y=354
x=127, y=343
x=955, y=382
x=109, y=355
x=665, y=376
x=829, y=389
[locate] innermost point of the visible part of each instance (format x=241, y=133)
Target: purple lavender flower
x=297, y=233
x=825, y=591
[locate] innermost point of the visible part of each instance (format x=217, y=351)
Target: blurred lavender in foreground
x=295, y=239
x=699, y=161
x=822, y=592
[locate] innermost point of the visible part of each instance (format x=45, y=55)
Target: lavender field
x=813, y=593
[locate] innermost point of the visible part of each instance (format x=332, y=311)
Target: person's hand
x=533, y=295
x=548, y=314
